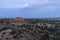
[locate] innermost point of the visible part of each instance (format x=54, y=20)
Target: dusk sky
x=29, y=8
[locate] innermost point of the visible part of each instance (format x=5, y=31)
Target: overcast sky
x=36, y=8
x=25, y=3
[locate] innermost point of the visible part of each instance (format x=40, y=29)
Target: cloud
x=26, y=3
x=43, y=1
x=42, y=8
x=15, y=6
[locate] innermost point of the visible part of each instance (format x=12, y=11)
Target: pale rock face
x=8, y=31
x=18, y=21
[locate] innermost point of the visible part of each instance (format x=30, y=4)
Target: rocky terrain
x=23, y=29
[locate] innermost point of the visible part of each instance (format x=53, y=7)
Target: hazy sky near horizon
x=30, y=8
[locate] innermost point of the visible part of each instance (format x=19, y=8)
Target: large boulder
x=18, y=21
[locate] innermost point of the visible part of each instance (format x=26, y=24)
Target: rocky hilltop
x=29, y=29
